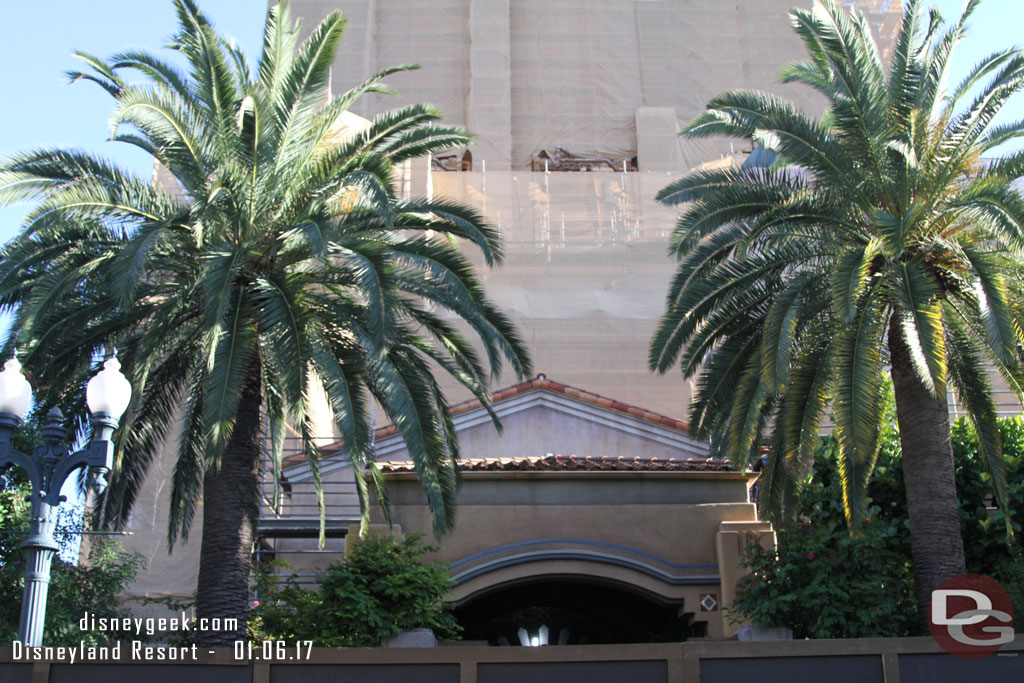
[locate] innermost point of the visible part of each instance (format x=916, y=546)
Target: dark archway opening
x=573, y=612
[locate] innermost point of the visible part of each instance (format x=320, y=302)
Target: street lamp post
x=107, y=395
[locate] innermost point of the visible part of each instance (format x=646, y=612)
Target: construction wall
x=584, y=277
x=587, y=269
x=527, y=75
x=850, y=660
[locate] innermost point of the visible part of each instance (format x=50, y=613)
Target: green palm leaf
x=858, y=363
x=252, y=282
x=879, y=226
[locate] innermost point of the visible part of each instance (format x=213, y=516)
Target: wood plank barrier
x=871, y=660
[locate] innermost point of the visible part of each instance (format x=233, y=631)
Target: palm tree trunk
x=929, y=477
x=230, y=510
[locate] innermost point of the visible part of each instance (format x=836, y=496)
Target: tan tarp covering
x=526, y=75
x=586, y=269
x=585, y=274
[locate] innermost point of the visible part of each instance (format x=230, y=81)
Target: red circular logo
x=971, y=616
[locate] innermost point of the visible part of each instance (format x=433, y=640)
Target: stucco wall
x=656, y=531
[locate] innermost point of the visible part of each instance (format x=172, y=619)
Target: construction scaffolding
x=530, y=75
x=288, y=527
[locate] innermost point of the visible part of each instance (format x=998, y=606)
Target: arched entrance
x=572, y=610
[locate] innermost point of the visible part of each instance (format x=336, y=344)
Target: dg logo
x=971, y=616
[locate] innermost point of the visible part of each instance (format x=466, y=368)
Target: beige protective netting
x=584, y=276
x=530, y=75
x=551, y=81
x=586, y=268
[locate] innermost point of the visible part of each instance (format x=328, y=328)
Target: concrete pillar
x=489, y=99
x=732, y=545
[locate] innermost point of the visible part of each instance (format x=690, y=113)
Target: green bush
x=987, y=549
x=828, y=582
x=381, y=589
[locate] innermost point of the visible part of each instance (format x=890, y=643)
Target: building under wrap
x=576, y=105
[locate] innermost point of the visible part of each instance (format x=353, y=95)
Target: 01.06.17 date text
x=273, y=650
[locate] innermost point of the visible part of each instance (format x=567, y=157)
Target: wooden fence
x=881, y=660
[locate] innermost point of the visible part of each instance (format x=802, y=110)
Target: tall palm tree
x=285, y=262
x=877, y=237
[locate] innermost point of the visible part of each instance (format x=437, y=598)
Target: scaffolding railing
x=288, y=527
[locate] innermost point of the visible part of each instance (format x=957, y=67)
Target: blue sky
x=37, y=39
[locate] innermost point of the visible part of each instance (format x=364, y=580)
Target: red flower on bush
x=810, y=556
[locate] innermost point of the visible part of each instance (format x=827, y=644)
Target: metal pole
x=40, y=545
x=47, y=470
x=39, y=549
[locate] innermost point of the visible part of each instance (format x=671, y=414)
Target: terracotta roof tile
x=575, y=463
x=542, y=382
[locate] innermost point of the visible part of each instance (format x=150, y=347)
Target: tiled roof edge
x=542, y=382
x=575, y=463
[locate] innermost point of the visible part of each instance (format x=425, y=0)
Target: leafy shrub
x=381, y=589
x=986, y=546
x=828, y=582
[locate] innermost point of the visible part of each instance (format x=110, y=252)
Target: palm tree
x=877, y=237
x=286, y=261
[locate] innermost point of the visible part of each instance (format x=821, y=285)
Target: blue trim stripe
x=600, y=559
x=579, y=541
